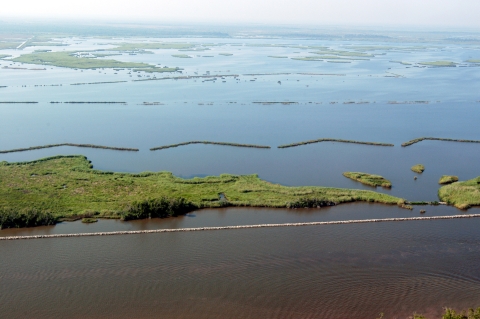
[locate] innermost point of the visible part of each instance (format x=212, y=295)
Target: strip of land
x=333, y=140
x=368, y=179
x=437, y=139
x=43, y=191
x=176, y=230
x=208, y=142
x=69, y=144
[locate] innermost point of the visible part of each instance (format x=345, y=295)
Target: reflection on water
x=240, y=216
x=337, y=271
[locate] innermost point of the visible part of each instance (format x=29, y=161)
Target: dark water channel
x=330, y=271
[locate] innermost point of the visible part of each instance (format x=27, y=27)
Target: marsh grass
x=417, y=140
x=208, y=142
x=69, y=144
x=418, y=168
x=439, y=64
x=448, y=179
x=462, y=195
x=67, y=59
x=66, y=186
x=333, y=140
x=369, y=179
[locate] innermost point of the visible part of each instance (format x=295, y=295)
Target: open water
x=340, y=271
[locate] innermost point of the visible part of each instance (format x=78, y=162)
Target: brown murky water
x=333, y=271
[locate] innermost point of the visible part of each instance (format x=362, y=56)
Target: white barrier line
x=135, y=232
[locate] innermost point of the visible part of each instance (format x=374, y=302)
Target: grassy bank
x=69, y=144
x=333, y=140
x=208, y=142
x=437, y=139
x=462, y=195
x=439, y=64
x=448, y=179
x=368, y=179
x=419, y=168
x=69, y=59
x=65, y=186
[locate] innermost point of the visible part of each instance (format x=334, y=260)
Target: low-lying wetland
x=73, y=188
x=369, y=179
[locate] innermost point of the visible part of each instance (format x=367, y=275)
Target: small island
x=419, y=168
x=368, y=179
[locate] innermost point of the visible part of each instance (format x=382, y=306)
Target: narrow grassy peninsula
x=333, y=140
x=369, y=179
x=71, y=59
x=419, y=168
x=439, y=64
x=462, y=195
x=448, y=179
x=69, y=144
x=42, y=191
x=437, y=139
x=208, y=142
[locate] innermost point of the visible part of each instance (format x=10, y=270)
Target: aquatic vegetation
x=474, y=61
x=207, y=142
x=448, y=179
x=369, y=179
x=88, y=220
x=333, y=140
x=68, y=186
x=70, y=60
x=278, y=56
x=343, y=53
x=462, y=195
x=419, y=168
x=439, y=64
x=152, y=46
x=437, y=139
x=226, y=54
x=68, y=144
x=25, y=217
x=3, y=56
x=182, y=56
x=452, y=314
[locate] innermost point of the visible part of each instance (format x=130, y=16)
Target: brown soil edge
x=69, y=144
x=417, y=140
x=208, y=142
x=333, y=140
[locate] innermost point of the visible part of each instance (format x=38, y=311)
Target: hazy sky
x=455, y=13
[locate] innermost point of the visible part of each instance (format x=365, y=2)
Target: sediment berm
x=417, y=140
x=208, y=142
x=137, y=232
x=333, y=140
x=69, y=144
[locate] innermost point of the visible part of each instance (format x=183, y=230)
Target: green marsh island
x=68, y=186
x=369, y=179
x=419, y=168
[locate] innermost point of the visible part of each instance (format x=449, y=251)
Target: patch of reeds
x=417, y=140
x=333, y=140
x=69, y=144
x=448, y=179
x=98, y=83
x=208, y=142
x=419, y=168
x=462, y=195
x=88, y=220
x=369, y=179
x=160, y=207
x=25, y=217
